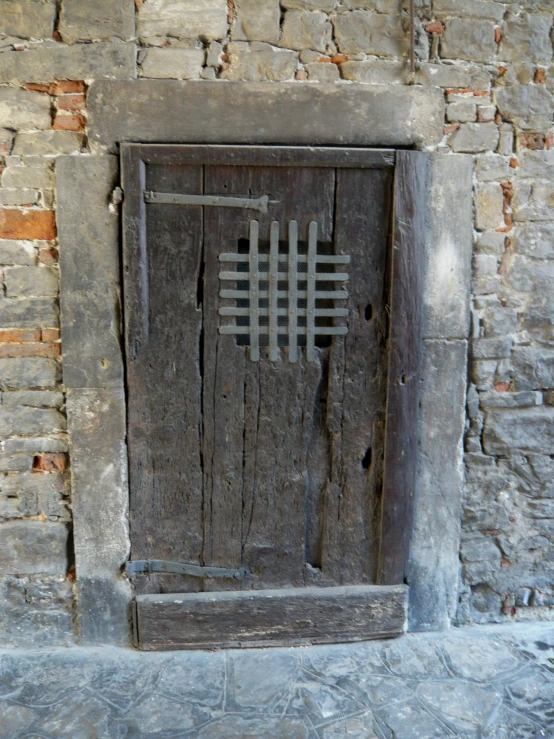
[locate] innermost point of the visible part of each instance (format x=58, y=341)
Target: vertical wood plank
x=404, y=365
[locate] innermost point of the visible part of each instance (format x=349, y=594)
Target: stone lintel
x=171, y=111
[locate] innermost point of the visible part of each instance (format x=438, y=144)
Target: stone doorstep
x=486, y=681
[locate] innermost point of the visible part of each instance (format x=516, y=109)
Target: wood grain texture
x=404, y=365
x=274, y=156
x=270, y=617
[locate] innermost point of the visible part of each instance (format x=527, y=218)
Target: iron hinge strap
x=221, y=201
x=180, y=568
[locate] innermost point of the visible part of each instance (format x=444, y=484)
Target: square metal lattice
x=283, y=307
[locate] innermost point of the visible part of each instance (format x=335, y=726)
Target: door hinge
x=219, y=201
x=148, y=566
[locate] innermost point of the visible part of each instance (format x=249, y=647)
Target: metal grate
x=283, y=307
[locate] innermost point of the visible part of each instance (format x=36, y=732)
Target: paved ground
x=492, y=682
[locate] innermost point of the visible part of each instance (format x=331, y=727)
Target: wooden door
x=272, y=403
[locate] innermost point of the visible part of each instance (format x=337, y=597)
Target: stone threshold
x=488, y=681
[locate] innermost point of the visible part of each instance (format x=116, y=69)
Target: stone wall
x=493, y=61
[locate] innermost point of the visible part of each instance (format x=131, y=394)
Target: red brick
x=540, y=76
x=50, y=334
x=498, y=35
x=66, y=86
x=339, y=58
x=20, y=334
x=76, y=101
x=502, y=387
x=434, y=27
x=29, y=225
x=50, y=462
x=37, y=87
x=69, y=123
x=29, y=349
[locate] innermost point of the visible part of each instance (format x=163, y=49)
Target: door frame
x=91, y=314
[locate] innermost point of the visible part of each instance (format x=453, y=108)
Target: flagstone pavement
x=494, y=682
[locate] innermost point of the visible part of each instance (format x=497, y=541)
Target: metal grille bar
x=275, y=311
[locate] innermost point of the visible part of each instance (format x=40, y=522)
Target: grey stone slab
x=527, y=430
x=89, y=266
x=434, y=556
x=23, y=109
x=28, y=372
x=101, y=20
x=104, y=606
x=28, y=313
x=33, y=548
x=77, y=62
x=252, y=113
x=198, y=18
x=27, y=18
x=449, y=244
x=96, y=420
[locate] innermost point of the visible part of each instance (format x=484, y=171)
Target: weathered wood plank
x=357, y=381
x=270, y=617
x=273, y=156
x=404, y=365
x=163, y=376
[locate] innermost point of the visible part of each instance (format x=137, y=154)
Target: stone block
x=498, y=320
x=489, y=202
x=15, y=463
x=21, y=421
x=474, y=137
x=77, y=62
x=173, y=63
x=491, y=167
x=453, y=75
x=537, y=165
x=40, y=177
x=27, y=18
x=463, y=111
x=525, y=430
x=364, y=32
x=17, y=252
x=465, y=38
x=325, y=5
x=39, y=612
x=47, y=143
x=434, y=552
x=382, y=6
x=494, y=348
x=189, y=19
x=449, y=243
x=28, y=372
x=533, y=368
x=258, y=20
x=101, y=20
x=34, y=398
x=104, y=608
x=35, y=494
x=491, y=242
x=469, y=8
x=527, y=106
x=533, y=201
x=28, y=313
x=30, y=281
x=323, y=72
x=259, y=62
x=534, y=240
x=526, y=38
x=32, y=548
x=255, y=113
x=89, y=268
x=96, y=420
x=37, y=445
x=376, y=71
x=24, y=110
x=524, y=399
x=21, y=197
x=305, y=29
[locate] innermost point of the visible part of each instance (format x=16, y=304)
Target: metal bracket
x=148, y=566
x=219, y=201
